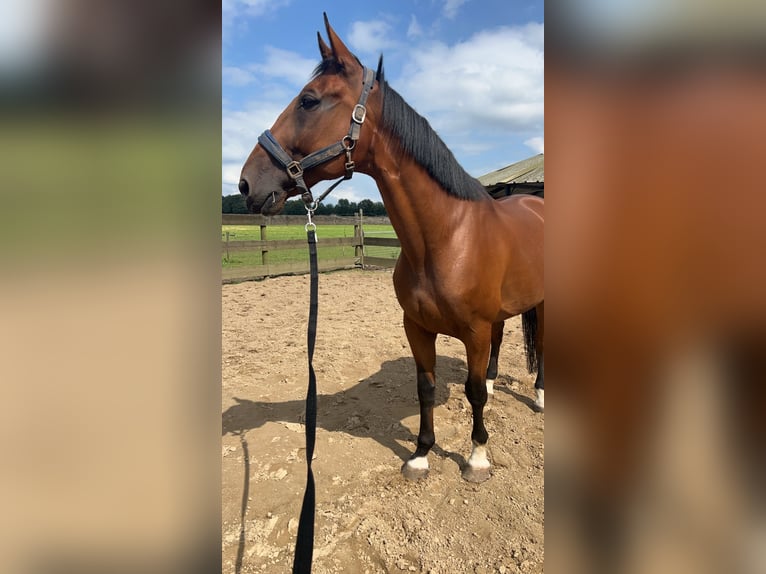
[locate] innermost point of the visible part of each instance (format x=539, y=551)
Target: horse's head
x=318, y=136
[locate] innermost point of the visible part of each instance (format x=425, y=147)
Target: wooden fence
x=265, y=267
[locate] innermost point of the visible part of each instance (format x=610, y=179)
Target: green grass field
x=284, y=232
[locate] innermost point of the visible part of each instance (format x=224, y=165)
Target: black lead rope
x=304, y=546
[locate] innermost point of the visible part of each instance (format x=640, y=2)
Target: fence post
x=227, y=247
x=359, y=236
x=264, y=251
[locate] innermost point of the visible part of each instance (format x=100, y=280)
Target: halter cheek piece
x=295, y=168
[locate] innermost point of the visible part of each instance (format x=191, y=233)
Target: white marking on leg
x=540, y=402
x=418, y=463
x=479, y=457
x=490, y=386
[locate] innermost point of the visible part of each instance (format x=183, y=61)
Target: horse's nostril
x=243, y=187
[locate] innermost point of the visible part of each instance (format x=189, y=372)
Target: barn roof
x=530, y=170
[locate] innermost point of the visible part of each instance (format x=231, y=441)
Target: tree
x=378, y=209
x=236, y=204
x=346, y=207
x=233, y=204
x=372, y=208
x=294, y=207
x=325, y=209
x=367, y=206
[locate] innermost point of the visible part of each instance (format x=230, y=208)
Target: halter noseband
x=296, y=168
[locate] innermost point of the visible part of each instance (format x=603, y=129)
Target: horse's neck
x=419, y=209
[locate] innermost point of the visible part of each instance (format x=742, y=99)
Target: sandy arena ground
x=369, y=519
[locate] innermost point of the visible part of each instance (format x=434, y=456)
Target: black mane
x=421, y=142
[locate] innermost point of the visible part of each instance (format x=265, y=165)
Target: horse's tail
x=529, y=325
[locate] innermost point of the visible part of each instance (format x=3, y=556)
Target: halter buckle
x=359, y=114
x=294, y=169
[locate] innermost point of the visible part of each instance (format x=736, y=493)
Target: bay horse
x=467, y=262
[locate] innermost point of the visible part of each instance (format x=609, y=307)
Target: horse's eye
x=309, y=102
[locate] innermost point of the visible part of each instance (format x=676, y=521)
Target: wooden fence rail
x=286, y=244
x=249, y=219
x=266, y=246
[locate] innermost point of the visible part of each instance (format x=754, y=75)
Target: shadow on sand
x=372, y=408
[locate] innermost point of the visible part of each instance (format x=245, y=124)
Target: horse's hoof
x=471, y=474
x=413, y=474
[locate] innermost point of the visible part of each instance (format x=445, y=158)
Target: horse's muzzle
x=267, y=203
x=265, y=186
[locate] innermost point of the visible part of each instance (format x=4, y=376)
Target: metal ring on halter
x=310, y=209
x=350, y=145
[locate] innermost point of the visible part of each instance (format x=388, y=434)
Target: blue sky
x=473, y=68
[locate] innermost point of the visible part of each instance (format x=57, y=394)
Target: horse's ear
x=324, y=49
x=379, y=73
x=339, y=51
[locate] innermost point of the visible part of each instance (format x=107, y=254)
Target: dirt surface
x=369, y=519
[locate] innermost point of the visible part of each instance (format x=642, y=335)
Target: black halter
x=295, y=168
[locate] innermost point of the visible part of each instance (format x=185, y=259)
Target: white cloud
x=233, y=11
x=285, y=65
x=470, y=147
x=536, y=143
x=237, y=77
x=240, y=129
x=348, y=192
x=230, y=173
x=493, y=81
x=451, y=7
x=414, y=30
x=370, y=37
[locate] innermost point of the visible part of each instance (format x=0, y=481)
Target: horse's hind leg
x=533, y=325
x=423, y=345
x=539, y=345
x=477, y=346
x=540, y=385
x=494, y=352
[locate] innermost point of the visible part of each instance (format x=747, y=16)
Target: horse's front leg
x=423, y=345
x=477, y=346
